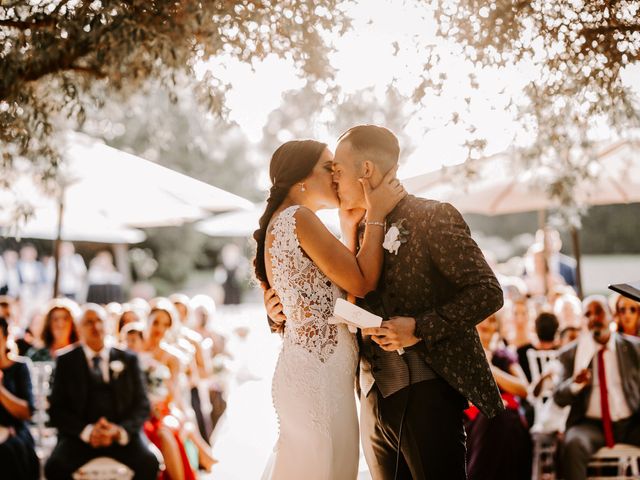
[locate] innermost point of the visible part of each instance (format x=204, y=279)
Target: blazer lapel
x=628, y=373
x=84, y=378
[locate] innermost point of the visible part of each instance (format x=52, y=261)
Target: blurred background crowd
x=187, y=356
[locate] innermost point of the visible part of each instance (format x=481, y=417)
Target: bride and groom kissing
x=432, y=286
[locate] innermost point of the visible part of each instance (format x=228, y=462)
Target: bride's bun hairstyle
x=291, y=163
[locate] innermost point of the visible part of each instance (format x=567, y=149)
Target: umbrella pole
x=56, y=247
x=575, y=238
x=542, y=225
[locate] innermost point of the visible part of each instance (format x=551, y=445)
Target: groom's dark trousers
x=440, y=278
x=433, y=440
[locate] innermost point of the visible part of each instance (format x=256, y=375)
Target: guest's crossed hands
x=104, y=433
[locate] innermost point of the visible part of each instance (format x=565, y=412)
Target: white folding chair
x=44, y=436
x=622, y=457
x=103, y=468
x=544, y=443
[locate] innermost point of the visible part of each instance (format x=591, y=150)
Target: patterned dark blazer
x=440, y=277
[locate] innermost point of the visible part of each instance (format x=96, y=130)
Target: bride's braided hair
x=291, y=163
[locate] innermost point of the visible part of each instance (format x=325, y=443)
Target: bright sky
x=365, y=57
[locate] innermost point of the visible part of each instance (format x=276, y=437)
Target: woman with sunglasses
x=627, y=315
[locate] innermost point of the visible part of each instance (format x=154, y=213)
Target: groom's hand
x=394, y=334
x=274, y=307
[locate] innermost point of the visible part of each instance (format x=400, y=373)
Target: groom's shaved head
x=374, y=143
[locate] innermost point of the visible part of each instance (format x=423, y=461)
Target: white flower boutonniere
x=117, y=367
x=396, y=236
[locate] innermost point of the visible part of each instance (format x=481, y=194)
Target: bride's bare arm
x=356, y=274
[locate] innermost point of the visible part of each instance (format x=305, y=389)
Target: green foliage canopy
x=577, y=52
x=57, y=56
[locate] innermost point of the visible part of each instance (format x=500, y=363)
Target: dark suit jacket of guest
x=628, y=354
x=440, y=277
x=69, y=396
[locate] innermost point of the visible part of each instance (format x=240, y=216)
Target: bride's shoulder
x=306, y=218
x=301, y=215
x=305, y=222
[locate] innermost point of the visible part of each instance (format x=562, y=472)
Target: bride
x=313, y=383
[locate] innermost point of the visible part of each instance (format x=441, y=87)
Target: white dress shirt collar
x=587, y=348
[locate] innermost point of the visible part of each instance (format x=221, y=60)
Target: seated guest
x=499, y=448
x=546, y=331
x=129, y=314
x=22, y=338
x=213, y=345
x=627, y=315
x=568, y=335
x=163, y=428
x=132, y=338
x=98, y=404
x=169, y=427
x=18, y=458
x=521, y=319
x=568, y=309
x=601, y=384
x=59, y=330
x=7, y=308
x=199, y=368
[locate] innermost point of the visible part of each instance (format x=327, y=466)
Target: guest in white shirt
x=601, y=384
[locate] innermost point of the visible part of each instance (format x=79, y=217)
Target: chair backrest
x=103, y=468
x=538, y=360
x=41, y=373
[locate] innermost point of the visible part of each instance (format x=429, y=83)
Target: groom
x=434, y=288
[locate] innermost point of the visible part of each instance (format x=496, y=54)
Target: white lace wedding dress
x=313, y=383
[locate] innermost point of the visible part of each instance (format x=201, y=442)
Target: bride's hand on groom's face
x=394, y=334
x=382, y=200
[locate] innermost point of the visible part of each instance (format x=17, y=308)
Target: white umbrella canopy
x=96, y=229
x=139, y=192
x=244, y=223
x=108, y=190
x=104, y=190
x=497, y=190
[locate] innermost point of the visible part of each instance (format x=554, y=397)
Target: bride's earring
x=302, y=189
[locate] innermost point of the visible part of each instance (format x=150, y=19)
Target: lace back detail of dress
x=306, y=293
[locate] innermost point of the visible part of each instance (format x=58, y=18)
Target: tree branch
x=90, y=71
x=25, y=24
x=614, y=28
x=59, y=6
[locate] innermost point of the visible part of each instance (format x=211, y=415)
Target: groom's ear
x=368, y=168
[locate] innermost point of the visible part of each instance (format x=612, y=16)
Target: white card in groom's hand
x=353, y=316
